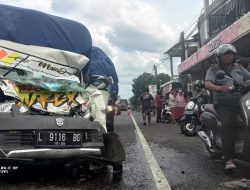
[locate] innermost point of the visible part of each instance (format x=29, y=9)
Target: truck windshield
x=41, y=81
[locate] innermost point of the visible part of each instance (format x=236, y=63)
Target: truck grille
x=20, y=137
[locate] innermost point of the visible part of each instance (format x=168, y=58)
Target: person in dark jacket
x=146, y=100
x=226, y=104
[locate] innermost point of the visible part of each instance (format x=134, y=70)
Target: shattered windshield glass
x=41, y=81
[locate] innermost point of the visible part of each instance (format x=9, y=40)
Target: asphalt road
x=186, y=163
x=182, y=160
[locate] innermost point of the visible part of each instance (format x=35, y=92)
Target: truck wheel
x=118, y=170
x=108, y=177
x=110, y=122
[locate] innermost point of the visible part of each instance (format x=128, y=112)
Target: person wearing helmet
x=226, y=104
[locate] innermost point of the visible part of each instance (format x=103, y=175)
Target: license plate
x=61, y=138
x=188, y=113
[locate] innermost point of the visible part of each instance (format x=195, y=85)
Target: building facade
x=222, y=21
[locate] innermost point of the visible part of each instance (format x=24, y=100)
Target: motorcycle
x=166, y=114
x=210, y=131
x=190, y=119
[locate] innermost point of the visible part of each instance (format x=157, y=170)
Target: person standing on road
x=146, y=100
x=158, y=106
x=180, y=103
x=117, y=103
x=171, y=102
x=164, y=100
x=129, y=107
x=227, y=105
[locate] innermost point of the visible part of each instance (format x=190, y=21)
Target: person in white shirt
x=171, y=102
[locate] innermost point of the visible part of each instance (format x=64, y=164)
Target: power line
x=218, y=4
x=159, y=64
x=164, y=59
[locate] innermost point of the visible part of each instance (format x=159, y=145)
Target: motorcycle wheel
x=118, y=172
x=167, y=118
x=187, y=128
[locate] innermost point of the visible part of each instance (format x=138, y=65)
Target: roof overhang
x=232, y=33
x=175, y=51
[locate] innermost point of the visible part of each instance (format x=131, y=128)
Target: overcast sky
x=133, y=33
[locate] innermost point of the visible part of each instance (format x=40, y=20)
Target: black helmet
x=198, y=85
x=225, y=48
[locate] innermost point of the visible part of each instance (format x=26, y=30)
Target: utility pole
x=156, y=77
x=182, y=40
x=171, y=67
x=206, y=7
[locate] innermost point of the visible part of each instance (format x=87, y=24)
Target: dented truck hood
x=46, y=79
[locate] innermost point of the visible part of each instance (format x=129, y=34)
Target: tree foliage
x=141, y=83
x=163, y=78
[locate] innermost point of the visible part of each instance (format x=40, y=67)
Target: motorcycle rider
x=226, y=104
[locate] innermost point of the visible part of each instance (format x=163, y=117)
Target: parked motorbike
x=190, y=119
x=166, y=114
x=210, y=131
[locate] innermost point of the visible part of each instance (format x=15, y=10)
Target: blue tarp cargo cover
x=33, y=27
x=100, y=64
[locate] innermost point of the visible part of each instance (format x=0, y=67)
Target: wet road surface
x=183, y=161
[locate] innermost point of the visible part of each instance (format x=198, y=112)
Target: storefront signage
x=238, y=29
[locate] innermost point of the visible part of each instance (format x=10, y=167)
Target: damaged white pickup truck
x=48, y=115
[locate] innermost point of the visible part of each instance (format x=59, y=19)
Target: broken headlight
x=6, y=107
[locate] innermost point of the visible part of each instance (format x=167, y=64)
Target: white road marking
x=160, y=180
